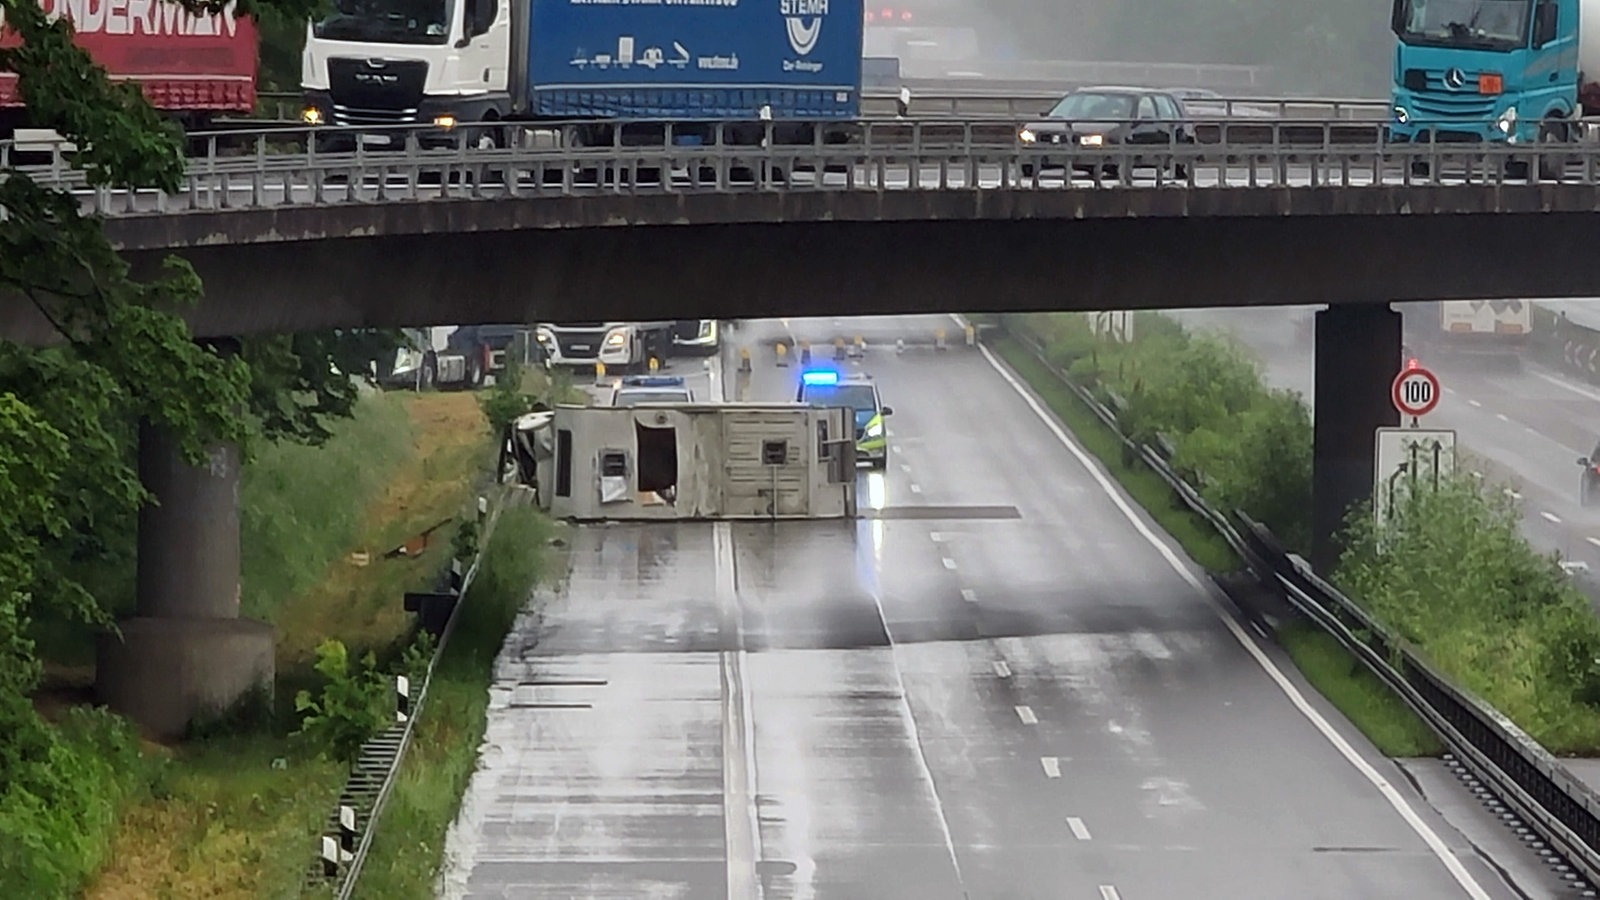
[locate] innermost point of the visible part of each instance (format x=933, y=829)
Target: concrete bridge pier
x=1357, y=357
x=187, y=653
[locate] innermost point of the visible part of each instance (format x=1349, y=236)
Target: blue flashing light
x=653, y=381
x=819, y=376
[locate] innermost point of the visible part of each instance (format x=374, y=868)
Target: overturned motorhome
x=687, y=461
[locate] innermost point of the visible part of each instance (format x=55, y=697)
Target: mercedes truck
x=1507, y=71
x=457, y=70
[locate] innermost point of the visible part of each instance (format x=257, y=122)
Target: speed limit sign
x=1415, y=391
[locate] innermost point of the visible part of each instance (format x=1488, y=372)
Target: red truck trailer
x=191, y=67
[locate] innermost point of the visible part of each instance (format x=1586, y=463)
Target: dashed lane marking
x=1025, y=713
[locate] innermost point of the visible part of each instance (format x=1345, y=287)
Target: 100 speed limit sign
x=1415, y=391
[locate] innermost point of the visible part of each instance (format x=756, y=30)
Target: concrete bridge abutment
x=187, y=653
x=1357, y=357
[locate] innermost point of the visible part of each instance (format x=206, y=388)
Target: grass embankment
x=1231, y=428
x=237, y=815
x=407, y=852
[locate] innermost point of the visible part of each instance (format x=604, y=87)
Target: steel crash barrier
x=1547, y=806
x=285, y=167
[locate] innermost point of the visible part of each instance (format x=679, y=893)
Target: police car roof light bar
x=819, y=376
x=653, y=381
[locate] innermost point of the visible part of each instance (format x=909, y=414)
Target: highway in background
x=1526, y=429
x=1003, y=681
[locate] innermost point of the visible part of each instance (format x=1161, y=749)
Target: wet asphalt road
x=994, y=686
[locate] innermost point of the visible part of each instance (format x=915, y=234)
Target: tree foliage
x=1247, y=447
x=69, y=413
x=1453, y=574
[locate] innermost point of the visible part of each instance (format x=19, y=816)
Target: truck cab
x=1485, y=70
x=439, y=63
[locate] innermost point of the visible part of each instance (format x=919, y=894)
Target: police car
x=827, y=388
x=636, y=389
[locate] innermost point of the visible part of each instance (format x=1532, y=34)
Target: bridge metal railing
x=293, y=167
x=983, y=99
x=1546, y=805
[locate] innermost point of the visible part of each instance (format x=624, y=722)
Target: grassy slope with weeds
x=1386, y=721
x=408, y=848
x=224, y=821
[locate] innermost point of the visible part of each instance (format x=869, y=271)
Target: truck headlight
x=1402, y=115
x=311, y=115
x=1092, y=140
x=616, y=340
x=1027, y=136
x=1507, y=121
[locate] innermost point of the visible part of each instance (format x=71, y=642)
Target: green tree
x=68, y=413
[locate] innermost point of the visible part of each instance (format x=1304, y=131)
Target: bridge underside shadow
x=832, y=268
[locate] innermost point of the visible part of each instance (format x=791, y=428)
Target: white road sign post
x=1409, y=460
x=1117, y=325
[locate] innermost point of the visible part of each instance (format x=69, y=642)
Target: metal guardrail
x=1561, y=810
x=981, y=99
x=285, y=167
x=348, y=837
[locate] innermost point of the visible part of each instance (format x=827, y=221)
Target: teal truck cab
x=1506, y=71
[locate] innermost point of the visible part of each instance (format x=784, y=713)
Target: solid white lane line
x=969, y=595
x=741, y=829
x=1567, y=385
x=1002, y=669
x=1550, y=517
x=1079, y=830
x=1025, y=713
x=1296, y=698
x=1052, y=766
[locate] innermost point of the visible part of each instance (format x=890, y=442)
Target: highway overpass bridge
x=911, y=219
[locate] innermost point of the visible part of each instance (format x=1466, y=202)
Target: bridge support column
x=1357, y=356
x=187, y=653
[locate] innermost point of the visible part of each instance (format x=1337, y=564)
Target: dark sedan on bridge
x=1106, y=118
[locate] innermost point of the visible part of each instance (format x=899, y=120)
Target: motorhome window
x=658, y=459
x=774, y=453
x=564, y=462
x=613, y=464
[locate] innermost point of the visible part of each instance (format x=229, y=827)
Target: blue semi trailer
x=446, y=65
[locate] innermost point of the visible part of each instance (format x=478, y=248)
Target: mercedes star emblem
x=1454, y=78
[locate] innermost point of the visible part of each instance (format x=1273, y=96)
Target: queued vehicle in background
x=434, y=357
x=1129, y=119
x=636, y=389
x=696, y=337
x=619, y=346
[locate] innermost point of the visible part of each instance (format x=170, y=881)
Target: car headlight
x=1027, y=136
x=1402, y=115
x=545, y=337
x=1507, y=120
x=1092, y=140
x=615, y=340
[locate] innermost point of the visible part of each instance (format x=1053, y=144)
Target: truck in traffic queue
x=190, y=67
x=1487, y=331
x=619, y=346
x=460, y=357
x=1506, y=71
x=445, y=66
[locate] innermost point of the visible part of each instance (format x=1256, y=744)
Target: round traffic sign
x=1415, y=391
